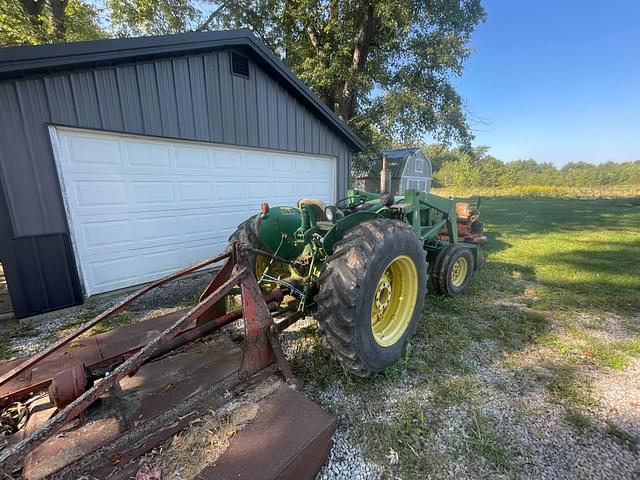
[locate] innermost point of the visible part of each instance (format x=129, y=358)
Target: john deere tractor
x=362, y=266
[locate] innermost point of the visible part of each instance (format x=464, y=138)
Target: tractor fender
x=343, y=225
x=277, y=228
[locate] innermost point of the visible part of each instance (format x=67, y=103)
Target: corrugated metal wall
x=194, y=97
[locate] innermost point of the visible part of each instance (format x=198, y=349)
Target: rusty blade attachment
x=104, y=315
x=68, y=389
x=141, y=399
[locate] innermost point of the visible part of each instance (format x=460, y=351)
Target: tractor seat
x=463, y=210
x=317, y=206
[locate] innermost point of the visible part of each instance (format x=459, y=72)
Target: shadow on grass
x=615, y=258
x=598, y=278
x=532, y=216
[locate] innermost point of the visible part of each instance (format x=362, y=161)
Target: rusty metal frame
x=257, y=352
x=106, y=314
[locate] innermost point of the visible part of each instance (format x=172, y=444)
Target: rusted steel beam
x=256, y=352
x=107, y=313
x=184, y=336
x=12, y=456
x=276, y=296
x=222, y=276
x=218, y=309
x=69, y=384
x=285, y=368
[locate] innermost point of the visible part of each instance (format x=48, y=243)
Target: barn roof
x=17, y=62
x=371, y=166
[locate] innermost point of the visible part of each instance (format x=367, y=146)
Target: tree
x=130, y=18
x=50, y=21
x=383, y=66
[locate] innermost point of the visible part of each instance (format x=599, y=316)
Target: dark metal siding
x=195, y=98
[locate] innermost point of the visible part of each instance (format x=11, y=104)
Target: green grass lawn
x=584, y=252
x=558, y=301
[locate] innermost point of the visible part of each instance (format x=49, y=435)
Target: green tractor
x=361, y=267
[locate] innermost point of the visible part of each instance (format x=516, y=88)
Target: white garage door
x=140, y=208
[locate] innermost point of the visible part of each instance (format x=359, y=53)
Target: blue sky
x=556, y=81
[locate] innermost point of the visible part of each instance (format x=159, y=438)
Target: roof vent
x=239, y=65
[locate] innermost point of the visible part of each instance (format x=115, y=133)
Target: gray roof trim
x=17, y=62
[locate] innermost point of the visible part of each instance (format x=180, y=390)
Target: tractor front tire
x=371, y=295
x=452, y=270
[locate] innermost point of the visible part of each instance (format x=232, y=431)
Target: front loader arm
x=418, y=207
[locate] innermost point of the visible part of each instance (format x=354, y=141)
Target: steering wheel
x=351, y=204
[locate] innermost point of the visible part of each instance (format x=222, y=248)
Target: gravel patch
x=542, y=443
x=36, y=333
x=346, y=461
x=619, y=394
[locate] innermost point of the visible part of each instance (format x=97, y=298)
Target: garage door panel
x=227, y=160
x=195, y=253
x=281, y=163
x=282, y=190
x=229, y=190
x=146, y=192
x=112, y=273
x=192, y=158
x=108, y=234
x=321, y=166
x=303, y=165
x=160, y=229
x=140, y=208
x=303, y=189
x=90, y=193
x=88, y=151
x=156, y=264
x=189, y=191
x=258, y=190
x=256, y=162
x=148, y=154
x=322, y=191
x=199, y=224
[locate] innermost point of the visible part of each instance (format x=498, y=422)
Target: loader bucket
x=167, y=396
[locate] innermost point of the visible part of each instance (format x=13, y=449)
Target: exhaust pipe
x=385, y=176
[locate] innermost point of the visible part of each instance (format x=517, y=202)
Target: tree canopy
x=474, y=167
x=33, y=22
x=385, y=66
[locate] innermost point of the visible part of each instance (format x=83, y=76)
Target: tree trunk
x=33, y=8
x=59, y=16
x=368, y=29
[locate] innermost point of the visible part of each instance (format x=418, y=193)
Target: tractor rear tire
x=371, y=295
x=453, y=270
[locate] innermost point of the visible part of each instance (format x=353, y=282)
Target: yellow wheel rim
x=459, y=272
x=262, y=263
x=276, y=270
x=394, y=301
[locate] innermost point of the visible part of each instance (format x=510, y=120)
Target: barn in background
x=125, y=160
x=410, y=169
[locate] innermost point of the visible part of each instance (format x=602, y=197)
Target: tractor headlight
x=331, y=213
